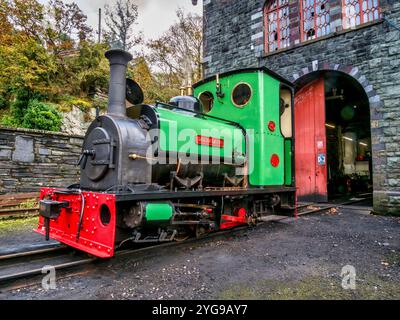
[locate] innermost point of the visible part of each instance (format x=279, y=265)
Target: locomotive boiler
x=219, y=158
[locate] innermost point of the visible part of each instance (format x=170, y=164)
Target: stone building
x=342, y=56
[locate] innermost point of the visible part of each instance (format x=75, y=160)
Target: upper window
x=241, y=94
x=277, y=33
x=357, y=12
x=315, y=19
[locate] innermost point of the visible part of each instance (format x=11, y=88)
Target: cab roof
x=246, y=70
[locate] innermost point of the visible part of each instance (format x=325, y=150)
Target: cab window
x=241, y=94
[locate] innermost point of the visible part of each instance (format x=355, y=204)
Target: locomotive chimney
x=117, y=88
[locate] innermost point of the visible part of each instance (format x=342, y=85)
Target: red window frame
x=316, y=25
x=362, y=13
x=267, y=11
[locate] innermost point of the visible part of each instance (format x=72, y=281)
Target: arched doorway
x=333, y=137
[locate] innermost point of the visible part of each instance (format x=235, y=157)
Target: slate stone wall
x=234, y=38
x=30, y=159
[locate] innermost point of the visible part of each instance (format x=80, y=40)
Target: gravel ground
x=292, y=259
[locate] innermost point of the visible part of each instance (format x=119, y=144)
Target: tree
x=27, y=16
x=152, y=84
x=120, y=20
x=25, y=63
x=57, y=25
x=178, y=52
x=38, y=69
x=90, y=69
x=66, y=23
x=32, y=66
x=5, y=25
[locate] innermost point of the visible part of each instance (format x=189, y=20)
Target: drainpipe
x=391, y=24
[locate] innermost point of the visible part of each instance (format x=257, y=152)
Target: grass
x=314, y=288
x=17, y=225
x=393, y=258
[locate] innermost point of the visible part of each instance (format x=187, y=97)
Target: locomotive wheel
x=200, y=230
x=182, y=235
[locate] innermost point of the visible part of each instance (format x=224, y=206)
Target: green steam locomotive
x=220, y=157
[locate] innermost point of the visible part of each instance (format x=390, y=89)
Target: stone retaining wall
x=30, y=159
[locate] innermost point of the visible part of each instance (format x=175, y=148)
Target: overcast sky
x=155, y=16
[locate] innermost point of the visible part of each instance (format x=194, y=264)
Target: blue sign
x=322, y=159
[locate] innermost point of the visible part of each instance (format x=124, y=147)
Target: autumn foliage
x=50, y=59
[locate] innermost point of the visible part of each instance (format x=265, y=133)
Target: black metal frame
x=165, y=195
x=293, y=138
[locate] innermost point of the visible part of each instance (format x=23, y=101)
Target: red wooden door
x=310, y=135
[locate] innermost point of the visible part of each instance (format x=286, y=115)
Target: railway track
x=19, y=205
x=14, y=266
x=18, y=212
x=27, y=264
x=34, y=251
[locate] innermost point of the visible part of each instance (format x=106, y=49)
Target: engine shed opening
x=333, y=131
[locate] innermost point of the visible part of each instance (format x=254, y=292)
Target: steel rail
x=37, y=271
x=19, y=211
x=32, y=252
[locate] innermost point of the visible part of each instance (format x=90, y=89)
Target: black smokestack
x=117, y=89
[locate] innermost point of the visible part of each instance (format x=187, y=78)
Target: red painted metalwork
x=210, y=141
x=276, y=21
x=315, y=19
x=239, y=218
x=356, y=12
x=95, y=237
x=271, y=126
x=310, y=154
x=275, y=160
